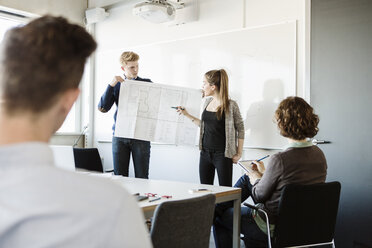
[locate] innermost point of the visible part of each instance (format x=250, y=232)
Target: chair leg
x=148, y=223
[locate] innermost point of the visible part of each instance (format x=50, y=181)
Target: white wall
x=121, y=29
x=261, y=12
x=71, y=9
x=102, y=3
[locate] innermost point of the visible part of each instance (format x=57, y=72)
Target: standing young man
x=123, y=147
x=41, y=65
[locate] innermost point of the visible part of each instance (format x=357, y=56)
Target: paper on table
x=193, y=191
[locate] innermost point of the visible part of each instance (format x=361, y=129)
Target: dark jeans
x=222, y=228
x=215, y=160
x=121, y=150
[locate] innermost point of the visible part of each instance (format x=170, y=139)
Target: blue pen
x=263, y=158
x=258, y=160
x=155, y=199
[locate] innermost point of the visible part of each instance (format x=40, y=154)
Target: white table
x=179, y=191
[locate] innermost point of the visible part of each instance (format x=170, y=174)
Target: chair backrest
x=183, y=223
x=307, y=214
x=88, y=159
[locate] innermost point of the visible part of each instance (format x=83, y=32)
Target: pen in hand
x=263, y=158
x=178, y=107
x=259, y=168
x=258, y=160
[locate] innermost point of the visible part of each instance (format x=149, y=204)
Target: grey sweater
x=305, y=165
x=234, y=128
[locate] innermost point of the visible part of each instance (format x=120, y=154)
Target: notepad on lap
x=246, y=165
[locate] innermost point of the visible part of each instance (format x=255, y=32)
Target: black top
x=214, y=137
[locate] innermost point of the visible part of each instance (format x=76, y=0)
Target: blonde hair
x=128, y=57
x=220, y=79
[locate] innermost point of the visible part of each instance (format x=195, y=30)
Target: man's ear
x=61, y=109
x=69, y=98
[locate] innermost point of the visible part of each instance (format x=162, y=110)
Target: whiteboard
x=260, y=62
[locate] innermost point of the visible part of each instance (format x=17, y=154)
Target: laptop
x=63, y=157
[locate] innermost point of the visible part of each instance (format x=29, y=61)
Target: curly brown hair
x=296, y=119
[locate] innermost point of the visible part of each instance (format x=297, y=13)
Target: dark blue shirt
x=111, y=96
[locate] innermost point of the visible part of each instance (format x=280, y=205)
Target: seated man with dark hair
x=41, y=205
x=301, y=163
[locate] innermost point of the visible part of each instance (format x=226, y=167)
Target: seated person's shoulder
x=317, y=149
x=277, y=156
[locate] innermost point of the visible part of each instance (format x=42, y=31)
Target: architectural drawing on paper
x=145, y=113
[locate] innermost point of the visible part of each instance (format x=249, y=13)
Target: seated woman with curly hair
x=301, y=163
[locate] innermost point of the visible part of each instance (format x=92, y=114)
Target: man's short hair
x=126, y=57
x=41, y=60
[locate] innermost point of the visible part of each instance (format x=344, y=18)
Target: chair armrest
x=251, y=206
x=267, y=221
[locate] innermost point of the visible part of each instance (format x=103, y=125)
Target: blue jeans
x=209, y=162
x=223, y=224
x=121, y=151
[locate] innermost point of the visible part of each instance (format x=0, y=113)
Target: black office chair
x=88, y=159
x=183, y=223
x=306, y=215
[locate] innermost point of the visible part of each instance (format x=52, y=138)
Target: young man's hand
x=115, y=80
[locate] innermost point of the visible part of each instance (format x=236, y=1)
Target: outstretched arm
x=182, y=110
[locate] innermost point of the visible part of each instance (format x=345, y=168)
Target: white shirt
x=44, y=206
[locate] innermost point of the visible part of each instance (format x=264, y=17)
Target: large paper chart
x=145, y=113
